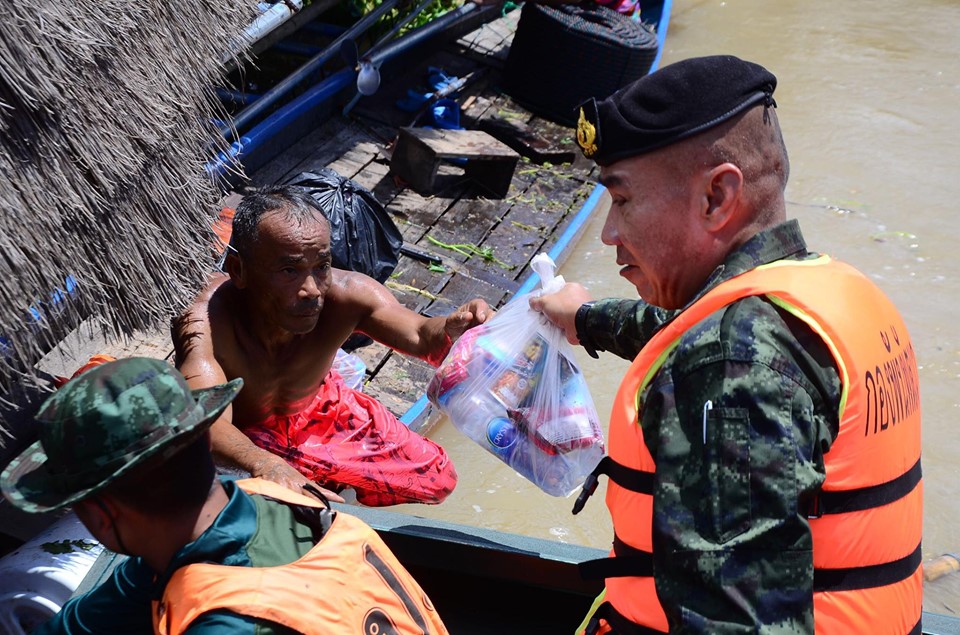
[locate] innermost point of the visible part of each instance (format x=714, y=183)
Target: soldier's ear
x=724, y=186
x=94, y=515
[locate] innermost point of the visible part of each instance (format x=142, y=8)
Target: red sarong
x=347, y=438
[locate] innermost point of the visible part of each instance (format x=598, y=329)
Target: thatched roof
x=105, y=111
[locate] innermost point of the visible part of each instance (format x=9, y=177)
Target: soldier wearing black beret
x=773, y=483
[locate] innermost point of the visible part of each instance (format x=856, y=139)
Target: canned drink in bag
x=516, y=382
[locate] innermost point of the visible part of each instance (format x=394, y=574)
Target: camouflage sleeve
x=738, y=426
x=622, y=327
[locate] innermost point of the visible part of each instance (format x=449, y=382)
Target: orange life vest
x=867, y=522
x=349, y=582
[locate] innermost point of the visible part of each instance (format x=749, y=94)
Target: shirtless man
x=276, y=320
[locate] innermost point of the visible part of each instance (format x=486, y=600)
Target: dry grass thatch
x=105, y=110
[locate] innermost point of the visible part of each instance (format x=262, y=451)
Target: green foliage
x=469, y=249
x=67, y=546
x=434, y=10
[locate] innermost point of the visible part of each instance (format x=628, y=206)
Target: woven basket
x=563, y=55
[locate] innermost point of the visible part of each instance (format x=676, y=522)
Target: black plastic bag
x=363, y=237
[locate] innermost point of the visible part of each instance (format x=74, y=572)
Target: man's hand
x=561, y=307
x=474, y=312
x=279, y=471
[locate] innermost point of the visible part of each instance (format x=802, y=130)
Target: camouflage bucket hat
x=104, y=423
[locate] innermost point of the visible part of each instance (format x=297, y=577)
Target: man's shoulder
x=353, y=283
x=353, y=293
x=216, y=286
x=216, y=301
x=743, y=330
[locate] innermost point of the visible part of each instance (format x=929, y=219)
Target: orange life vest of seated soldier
x=867, y=523
x=349, y=582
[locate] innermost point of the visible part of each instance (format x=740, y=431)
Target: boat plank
x=469, y=220
x=399, y=382
x=492, y=40
x=412, y=207
x=323, y=146
x=463, y=287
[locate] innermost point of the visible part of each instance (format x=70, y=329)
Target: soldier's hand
x=561, y=307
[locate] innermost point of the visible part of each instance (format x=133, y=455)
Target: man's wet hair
x=292, y=199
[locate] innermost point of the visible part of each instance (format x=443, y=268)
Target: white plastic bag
x=351, y=368
x=513, y=385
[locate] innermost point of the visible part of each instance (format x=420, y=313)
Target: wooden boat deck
x=544, y=205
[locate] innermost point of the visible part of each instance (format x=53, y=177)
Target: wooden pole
x=941, y=566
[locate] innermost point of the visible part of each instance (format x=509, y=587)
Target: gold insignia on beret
x=586, y=135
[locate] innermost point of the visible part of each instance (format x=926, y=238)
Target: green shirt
x=251, y=531
x=732, y=546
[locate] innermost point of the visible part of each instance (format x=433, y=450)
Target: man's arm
x=738, y=427
x=621, y=327
x=383, y=318
x=119, y=606
x=195, y=358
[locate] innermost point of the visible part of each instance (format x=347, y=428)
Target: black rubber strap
x=868, y=577
x=629, y=562
x=625, y=477
x=580, y=322
x=855, y=500
x=619, y=624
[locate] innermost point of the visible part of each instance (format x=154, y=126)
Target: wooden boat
x=485, y=581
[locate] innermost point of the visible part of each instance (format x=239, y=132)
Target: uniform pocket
x=727, y=465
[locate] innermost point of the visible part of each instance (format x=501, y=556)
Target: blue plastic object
x=438, y=80
x=414, y=101
x=445, y=114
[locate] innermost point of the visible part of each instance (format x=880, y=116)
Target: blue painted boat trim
x=662, y=26
x=220, y=165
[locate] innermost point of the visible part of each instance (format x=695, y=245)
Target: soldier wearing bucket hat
x=127, y=445
x=106, y=423
x=749, y=498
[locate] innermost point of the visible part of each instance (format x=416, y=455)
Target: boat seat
x=419, y=152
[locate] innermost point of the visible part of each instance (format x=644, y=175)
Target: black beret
x=678, y=101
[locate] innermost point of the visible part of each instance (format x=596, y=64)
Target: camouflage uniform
x=732, y=546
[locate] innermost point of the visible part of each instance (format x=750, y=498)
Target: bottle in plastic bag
x=483, y=418
x=473, y=415
x=513, y=387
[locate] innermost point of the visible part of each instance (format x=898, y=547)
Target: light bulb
x=368, y=81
